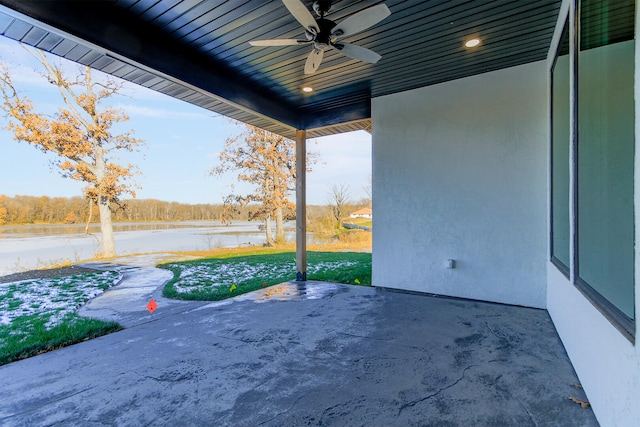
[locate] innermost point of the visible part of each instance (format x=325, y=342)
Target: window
x=592, y=153
x=560, y=145
x=605, y=152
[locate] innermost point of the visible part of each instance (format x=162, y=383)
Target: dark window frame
x=564, y=269
x=617, y=318
x=623, y=323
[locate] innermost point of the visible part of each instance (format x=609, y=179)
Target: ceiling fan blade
x=313, y=61
x=277, y=42
x=361, y=20
x=302, y=15
x=358, y=52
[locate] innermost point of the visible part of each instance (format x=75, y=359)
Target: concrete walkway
x=314, y=354
x=141, y=281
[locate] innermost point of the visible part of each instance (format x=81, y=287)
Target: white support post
x=301, y=205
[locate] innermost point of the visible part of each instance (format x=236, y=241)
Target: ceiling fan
x=326, y=34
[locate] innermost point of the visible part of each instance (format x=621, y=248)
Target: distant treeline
x=76, y=210
x=62, y=210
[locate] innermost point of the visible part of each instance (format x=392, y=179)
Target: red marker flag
x=152, y=306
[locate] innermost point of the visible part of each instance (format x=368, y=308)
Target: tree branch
x=55, y=77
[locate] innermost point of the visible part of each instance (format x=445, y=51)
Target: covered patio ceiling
x=198, y=51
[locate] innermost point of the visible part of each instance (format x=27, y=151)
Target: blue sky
x=182, y=145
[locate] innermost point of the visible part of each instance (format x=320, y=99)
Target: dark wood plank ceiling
x=198, y=51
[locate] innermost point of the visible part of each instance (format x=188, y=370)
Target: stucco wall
x=460, y=172
x=607, y=364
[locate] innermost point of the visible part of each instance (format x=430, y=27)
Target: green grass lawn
x=214, y=279
x=40, y=315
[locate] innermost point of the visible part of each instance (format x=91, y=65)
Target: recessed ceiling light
x=472, y=42
x=307, y=89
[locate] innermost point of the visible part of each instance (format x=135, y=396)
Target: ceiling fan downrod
x=322, y=7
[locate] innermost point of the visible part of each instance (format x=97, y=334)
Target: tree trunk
x=269, y=235
x=106, y=229
x=86, y=228
x=280, y=238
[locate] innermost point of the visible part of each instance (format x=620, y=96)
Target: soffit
x=198, y=51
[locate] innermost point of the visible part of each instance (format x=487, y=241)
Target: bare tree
x=368, y=191
x=267, y=161
x=80, y=135
x=338, y=200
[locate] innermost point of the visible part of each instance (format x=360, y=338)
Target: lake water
x=27, y=247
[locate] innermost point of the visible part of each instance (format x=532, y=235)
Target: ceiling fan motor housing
x=324, y=36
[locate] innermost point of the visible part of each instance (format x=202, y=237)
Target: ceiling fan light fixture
x=307, y=89
x=472, y=42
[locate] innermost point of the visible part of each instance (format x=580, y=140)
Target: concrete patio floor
x=313, y=354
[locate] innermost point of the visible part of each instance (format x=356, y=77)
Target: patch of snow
x=194, y=278
x=51, y=299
